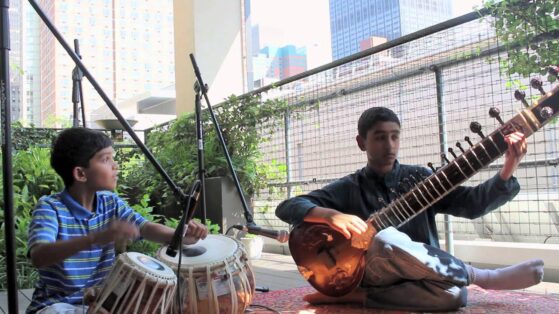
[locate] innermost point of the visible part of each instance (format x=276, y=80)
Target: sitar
x=335, y=266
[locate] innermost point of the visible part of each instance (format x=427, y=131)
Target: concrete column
x=212, y=30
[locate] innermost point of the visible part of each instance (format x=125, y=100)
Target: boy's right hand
x=118, y=231
x=346, y=224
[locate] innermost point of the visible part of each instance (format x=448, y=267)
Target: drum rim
x=168, y=274
x=238, y=253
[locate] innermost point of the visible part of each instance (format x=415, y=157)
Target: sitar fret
x=469, y=165
x=473, y=152
x=447, y=178
x=434, y=188
x=484, y=150
x=398, y=203
x=440, y=184
x=426, y=189
x=387, y=217
x=455, y=162
x=423, y=195
x=417, y=198
x=397, y=210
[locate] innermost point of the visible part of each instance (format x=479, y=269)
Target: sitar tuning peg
x=467, y=139
x=494, y=112
x=451, y=151
x=460, y=147
x=443, y=156
x=476, y=128
x=382, y=202
x=405, y=185
x=554, y=71
x=537, y=84
x=420, y=176
x=393, y=191
x=430, y=165
x=411, y=180
x=521, y=96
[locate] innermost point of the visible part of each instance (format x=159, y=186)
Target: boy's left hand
x=90, y=296
x=517, y=148
x=194, y=232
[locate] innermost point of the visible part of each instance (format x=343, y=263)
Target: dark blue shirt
x=364, y=192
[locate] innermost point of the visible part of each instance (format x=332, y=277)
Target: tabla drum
x=137, y=284
x=215, y=276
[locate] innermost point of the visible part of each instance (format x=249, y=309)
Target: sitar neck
x=430, y=190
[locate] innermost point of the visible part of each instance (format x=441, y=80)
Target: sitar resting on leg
x=335, y=265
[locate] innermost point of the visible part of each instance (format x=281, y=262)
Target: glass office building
x=354, y=22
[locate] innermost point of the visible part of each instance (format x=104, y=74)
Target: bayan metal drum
x=136, y=284
x=215, y=276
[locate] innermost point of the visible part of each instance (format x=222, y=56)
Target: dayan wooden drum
x=215, y=276
x=137, y=284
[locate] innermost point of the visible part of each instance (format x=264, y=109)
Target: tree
x=529, y=29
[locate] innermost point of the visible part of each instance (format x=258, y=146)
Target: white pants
x=63, y=308
x=407, y=275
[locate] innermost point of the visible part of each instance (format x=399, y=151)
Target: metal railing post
x=441, y=118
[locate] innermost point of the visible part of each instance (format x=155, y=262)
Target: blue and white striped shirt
x=59, y=217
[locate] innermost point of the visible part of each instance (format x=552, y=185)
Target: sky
x=306, y=23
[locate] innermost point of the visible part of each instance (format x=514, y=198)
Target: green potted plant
x=175, y=147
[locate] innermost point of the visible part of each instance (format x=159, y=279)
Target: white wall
x=211, y=29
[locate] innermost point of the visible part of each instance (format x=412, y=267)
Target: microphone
x=177, y=237
x=281, y=235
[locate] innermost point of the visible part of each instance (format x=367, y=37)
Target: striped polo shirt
x=59, y=217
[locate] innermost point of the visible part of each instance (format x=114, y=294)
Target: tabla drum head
x=214, y=248
x=150, y=265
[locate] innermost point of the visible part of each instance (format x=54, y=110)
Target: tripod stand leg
x=262, y=289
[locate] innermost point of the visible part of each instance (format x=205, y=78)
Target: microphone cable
x=234, y=227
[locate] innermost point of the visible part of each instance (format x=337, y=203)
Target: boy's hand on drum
x=194, y=232
x=118, y=231
x=90, y=296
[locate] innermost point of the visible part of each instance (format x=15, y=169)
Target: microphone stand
x=204, y=89
x=7, y=157
x=200, y=141
x=77, y=91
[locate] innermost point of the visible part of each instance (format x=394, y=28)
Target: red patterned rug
x=480, y=301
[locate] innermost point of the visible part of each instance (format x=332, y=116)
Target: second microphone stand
x=200, y=143
x=202, y=88
x=77, y=90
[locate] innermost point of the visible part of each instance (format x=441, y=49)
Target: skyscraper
x=127, y=45
x=15, y=56
x=355, y=21
x=277, y=63
x=270, y=60
x=31, y=95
